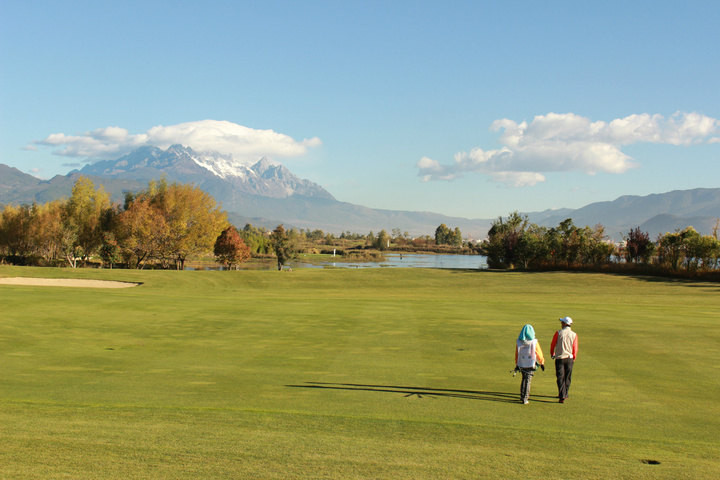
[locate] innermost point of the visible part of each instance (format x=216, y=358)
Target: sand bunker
x=65, y=282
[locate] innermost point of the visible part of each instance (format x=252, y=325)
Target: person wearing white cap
x=564, y=348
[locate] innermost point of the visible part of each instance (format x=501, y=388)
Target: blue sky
x=471, y=109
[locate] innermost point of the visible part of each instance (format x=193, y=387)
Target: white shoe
x=525, y=402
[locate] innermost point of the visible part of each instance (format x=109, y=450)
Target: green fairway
x=342, y=374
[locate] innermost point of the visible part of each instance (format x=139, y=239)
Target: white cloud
x=568, y=142
x=99, y=143
x=518, y=179
x=244, y=144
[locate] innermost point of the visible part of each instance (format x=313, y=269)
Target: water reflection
x=405, y=260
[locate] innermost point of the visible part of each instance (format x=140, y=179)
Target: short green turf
x=354, y=374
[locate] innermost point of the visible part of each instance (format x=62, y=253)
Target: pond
x=404, y=260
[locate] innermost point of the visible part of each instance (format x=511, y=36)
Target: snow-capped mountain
x=210, y=170
x=268, y=194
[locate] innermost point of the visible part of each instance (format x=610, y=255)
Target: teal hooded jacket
x=527, y=334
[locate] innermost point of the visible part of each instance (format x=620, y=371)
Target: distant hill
x=20, y=188
x=267, y=194
x=654, y=214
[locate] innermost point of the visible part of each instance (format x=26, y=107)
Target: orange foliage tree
x=230, y=249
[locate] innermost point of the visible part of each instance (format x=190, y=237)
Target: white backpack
x=526, y=354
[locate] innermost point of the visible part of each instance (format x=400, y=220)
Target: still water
x=406, y=260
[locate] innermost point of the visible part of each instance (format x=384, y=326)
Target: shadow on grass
x=422, y=392
x=709, y=281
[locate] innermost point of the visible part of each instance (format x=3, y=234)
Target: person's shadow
x=427, y=392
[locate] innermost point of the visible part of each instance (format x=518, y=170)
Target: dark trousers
x=563, y=372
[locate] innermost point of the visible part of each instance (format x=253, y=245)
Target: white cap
x=566, y=320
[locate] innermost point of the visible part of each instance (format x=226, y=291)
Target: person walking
x=528, y=355
x=564, y=348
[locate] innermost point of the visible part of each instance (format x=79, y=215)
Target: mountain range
x=267, y=194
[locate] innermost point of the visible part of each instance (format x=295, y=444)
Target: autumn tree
x=230, y=249
x=141, y=231
x=84, y=210
x=170, y=223
x=193, y=218
x=638, y=246
x=15, y=224
x=47, y=229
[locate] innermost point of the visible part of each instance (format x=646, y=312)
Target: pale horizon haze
x=466, y=108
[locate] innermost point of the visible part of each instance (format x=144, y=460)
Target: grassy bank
x=377, y=373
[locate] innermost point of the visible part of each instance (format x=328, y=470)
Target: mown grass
x=371, y=373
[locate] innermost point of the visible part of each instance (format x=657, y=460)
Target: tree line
x=166, y=224
x=163, y=226
x=514, y=242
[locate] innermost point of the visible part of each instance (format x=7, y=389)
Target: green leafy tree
x=280, y=241
x=670, y=249
x=687, y=247
x=382, y=242
x=503, y=247
x=316, y=235
x=695, y=248
x=710, y=252
x=532, y=248
x=456, y=238
x=599, y=250
x=445, y=236
x=109, y=250
x=442, y=234
x=256, y=239
x=571, y=239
